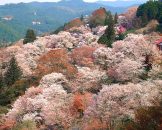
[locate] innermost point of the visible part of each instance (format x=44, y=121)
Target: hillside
x=122, y=3
x=70, y=81
x=46, y=17
x=102, y=77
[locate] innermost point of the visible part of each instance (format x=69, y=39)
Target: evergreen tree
x=30, y=36
x=109, y=36
x=150, y=10
x=1, y=81
x=106, y=21
x=81, y=17
x=13, y=73
x=116, y=18
x=144, y=19
x=159, y=28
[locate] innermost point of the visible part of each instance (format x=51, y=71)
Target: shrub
x=3, y=110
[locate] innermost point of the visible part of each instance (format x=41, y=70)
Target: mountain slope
x=122, y=3
x=46, y=16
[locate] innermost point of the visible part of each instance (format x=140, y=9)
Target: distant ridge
x=121, y=3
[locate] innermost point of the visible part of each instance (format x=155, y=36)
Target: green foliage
x=160, y=76
x=144, y=19
x=130, y=31
x=1, y=81
x=13, y=73
x=150, y=10
x=30, y=36
x=159, y=28
x=8, y=33
x=109, y=36
x=15, y=29
x=106, y=21
x=120, y=36
x=92, y=24
x=61, y=28
x=34, y=80
x=108, y=80
x=12, y=85
x=116, y=18
x=10, y=93
x=26, y=125
x=81, y=17
x=125, y=124
x=3, y=110
x=137, y=22
x=104, y=40
x=51, y=16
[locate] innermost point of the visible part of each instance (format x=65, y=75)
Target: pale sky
x=25, y=1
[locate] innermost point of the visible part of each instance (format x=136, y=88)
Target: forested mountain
x=121, y=3
x=42, y=17
x=149, y=11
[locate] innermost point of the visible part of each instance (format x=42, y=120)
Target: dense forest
x=149, y=11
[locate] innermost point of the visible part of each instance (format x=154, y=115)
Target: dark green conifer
x=116, y=18
x=1, y=81
x=13, y=72
x=30, y=36
x=109, y=36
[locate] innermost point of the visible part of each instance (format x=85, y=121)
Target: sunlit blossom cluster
x=126, y=60
x=115, y=101
x=83, y=81
x=48, y=102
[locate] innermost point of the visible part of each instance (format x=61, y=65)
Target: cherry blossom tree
x=88, y=79
x=48, y=103
x=116, y=101
x=128, y=58
x=83, y=56
x=55, y=61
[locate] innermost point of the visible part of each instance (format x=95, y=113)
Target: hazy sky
x=17, y=1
